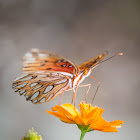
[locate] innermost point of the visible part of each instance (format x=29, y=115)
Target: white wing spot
x=24, y=93
x=47, y=79
x=43, y=55
x=22, y=85
x=35, y=50
x=14, y=85
x=37, y=87
x=43, y=80
x=40, y=72
x=26, y=96
x=33, y=84
x=67, y=74
x=40, y=76
x=20, y=77
x=28, y=78
x=28, y=54
x=62, y=81
x=21, y=92
x=16, y=90
x=49, y=97
x=35, y=101
x=48, y=89
x=30, y=59
x=34, y=95
x=42, y=100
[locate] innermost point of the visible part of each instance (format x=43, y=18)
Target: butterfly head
x=87, y=72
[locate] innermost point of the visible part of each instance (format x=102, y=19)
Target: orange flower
x=90, y=117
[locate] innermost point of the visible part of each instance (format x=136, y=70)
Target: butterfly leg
x=89, y=85
x=74, y=95
x=97, y=87
x=68, y=89
x=61, y=98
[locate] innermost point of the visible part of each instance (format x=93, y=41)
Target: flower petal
x=78, y=120
x=99, y=123
x=104, y=126
x=85, y=109
x=60, y=109
x=61, y=117
x=109, y=129
x=71, y=109
x=116, y=123
x=94, y=115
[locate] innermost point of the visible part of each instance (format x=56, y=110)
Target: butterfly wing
x=92, y=63
x=47, y=76
x=37, y=60
x=41, y=87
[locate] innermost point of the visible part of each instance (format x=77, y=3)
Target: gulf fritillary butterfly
x=46, y=75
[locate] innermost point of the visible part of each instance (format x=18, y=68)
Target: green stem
x=82, y=135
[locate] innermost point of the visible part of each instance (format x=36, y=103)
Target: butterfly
x=46, y=75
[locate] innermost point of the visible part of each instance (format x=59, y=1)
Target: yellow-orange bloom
x=89, y=116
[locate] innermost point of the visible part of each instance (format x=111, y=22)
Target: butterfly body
x=46, y=75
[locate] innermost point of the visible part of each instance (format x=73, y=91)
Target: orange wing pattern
x=37, y=60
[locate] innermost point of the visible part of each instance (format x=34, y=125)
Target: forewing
x=90, y=64
x=37, y=60
x=40, y=87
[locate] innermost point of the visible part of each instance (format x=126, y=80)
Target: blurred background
x=78, y=30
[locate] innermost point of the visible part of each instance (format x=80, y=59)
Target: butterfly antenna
x=95, y=94
x=111, y=57
x=97, y=80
